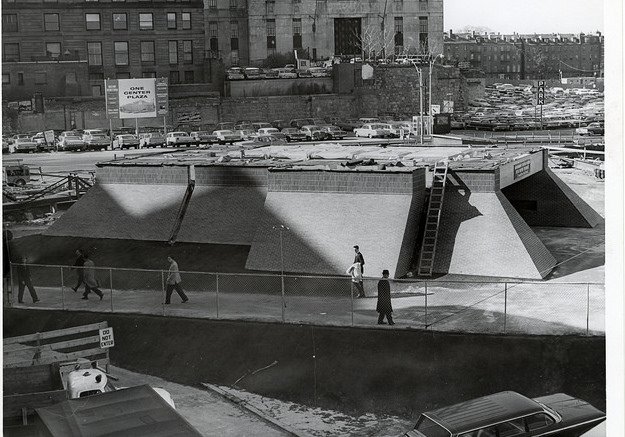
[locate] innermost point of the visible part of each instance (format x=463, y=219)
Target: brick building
x=353, y=28
x=545, y=56
x=48, y=43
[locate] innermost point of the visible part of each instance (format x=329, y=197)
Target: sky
x=526, y=16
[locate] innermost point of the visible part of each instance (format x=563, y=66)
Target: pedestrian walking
x=89, y=276
x=355, y=270
x=78, y=266
x=23, y=279
x=359, y=259
x=384, y=307
x=173, y=282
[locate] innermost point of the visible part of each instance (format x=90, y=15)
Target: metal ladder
x=433, y=219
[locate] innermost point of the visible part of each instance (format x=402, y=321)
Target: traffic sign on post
x=540, y=95
x=106, y=338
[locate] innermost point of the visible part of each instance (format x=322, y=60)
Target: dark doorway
x=347, y=36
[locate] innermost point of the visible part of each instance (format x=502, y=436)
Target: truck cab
x=15, y=173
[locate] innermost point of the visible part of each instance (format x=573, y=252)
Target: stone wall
x=279, y=87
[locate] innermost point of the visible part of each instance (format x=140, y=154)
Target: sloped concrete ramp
x=122, y=211
x=324, y=227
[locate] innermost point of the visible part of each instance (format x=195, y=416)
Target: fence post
x=588, y=308
x=111, y=284
x=283, y=301
x=62, y=290
x=163, y=291
x=426, y=305
x=505, y=307
x=351, y=297
x=217, y=293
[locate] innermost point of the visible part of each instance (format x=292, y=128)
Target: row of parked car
x=287, y=72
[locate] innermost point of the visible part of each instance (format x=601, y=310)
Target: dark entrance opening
x=347, y=36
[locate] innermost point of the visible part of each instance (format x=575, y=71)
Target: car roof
x=484, y=411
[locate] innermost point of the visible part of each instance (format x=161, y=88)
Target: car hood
x=571, y=409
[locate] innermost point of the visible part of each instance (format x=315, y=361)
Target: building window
x=147, y=52
x=171, y=20
x=399, y=5
x=271, y=6
x=174, y=77
x=271, y=34
x=121, y=53
x=173, y=52
x=20, y=78
x=11, y=52
x=187, y=52
x=9, y=22
x=233, y=4
x=51, y=22
x=148, y=74
x=212, y=33
x=145, y=21
x=423, y=34
x=297, y=33
x=399, y=31
x=93, y=21
x=40, y=78
x=94, y=50
x=122, y=75
x=6, y=78
x=189, y=77
x=96, y=90
x=53, y=49
x=234, y=57
x=120, y=21
x=212, y=4
x=96, y=76
x=186, y=20
x=234, y=35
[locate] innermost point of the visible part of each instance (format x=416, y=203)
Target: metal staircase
x=433, y=219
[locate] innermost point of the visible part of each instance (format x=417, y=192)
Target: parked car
x=293, y=134
x=260, y=125
x=96, y=140
x=510, y=414
x=370, y=131
x=246, y=134
x=594, y=128
x=267, y=140
x=319, y=72
x=226, y=136
x=334, y=132
x=235, y=73
x=177, y=139
x=71, y=141
x=279, y=124
x=287, y=73
x=365, y=120
x=243, y=125
x=225, y=125
x=272, y=73
x=314, y=133
x=151, y=139
x=300, y=122
x=268, y=131
x=42, y=145
x=204, y=137
x=125, y=141
x=24, y=145
x=252, y=73
x=304, y=72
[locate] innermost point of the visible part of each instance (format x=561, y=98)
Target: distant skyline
x=527, y=16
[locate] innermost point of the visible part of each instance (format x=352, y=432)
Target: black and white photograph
x=312, y=218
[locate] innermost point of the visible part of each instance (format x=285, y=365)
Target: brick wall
x=127, y=174
x=475, y=180
x=341, y=181
x=279, y=87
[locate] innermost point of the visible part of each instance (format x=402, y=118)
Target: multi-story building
x=326, y=28
x=527, y=56
x=226, y=31
x=67, y=47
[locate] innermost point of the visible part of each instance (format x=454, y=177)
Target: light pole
x=420, y=102
x=432, y=60
x=281, y=228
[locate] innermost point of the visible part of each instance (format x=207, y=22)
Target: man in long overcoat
x=384, y=307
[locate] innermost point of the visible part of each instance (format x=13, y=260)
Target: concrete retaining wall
x=279, y=87
x=399, y=372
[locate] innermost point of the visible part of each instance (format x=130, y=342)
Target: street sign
x=106, y=338
x=448, y=106
x=540, y=96
x=436, y=109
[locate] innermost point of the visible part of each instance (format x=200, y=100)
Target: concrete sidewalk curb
x=244, y=404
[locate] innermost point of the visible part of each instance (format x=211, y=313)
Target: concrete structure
x=492, y=198
x=112, y=39
x=534, y=56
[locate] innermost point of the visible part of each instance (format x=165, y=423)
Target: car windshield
x=429, y=428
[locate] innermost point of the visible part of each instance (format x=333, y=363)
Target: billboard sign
x=136, y=98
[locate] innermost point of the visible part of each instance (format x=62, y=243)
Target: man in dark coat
x=384, y=300
x=359, y=259
x=23, y=279
x=80, y=271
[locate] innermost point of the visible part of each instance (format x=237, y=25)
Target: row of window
x=52, y=21
x=507, y=48
x=147, y=52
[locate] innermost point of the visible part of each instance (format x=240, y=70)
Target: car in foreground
x=508, y=414
x=151, y=139
x=125, y=141
x=177, y=139
x=370, y=131
x=24, y=145
x=204, y=137
x=293, y=134
x=71, y=142
x=226, y=136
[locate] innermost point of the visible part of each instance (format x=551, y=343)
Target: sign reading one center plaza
x=136, y=98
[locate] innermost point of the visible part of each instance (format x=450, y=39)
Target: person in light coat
x=173, y=282
x=355, y=270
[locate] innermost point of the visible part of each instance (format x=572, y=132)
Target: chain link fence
x=552, y=308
